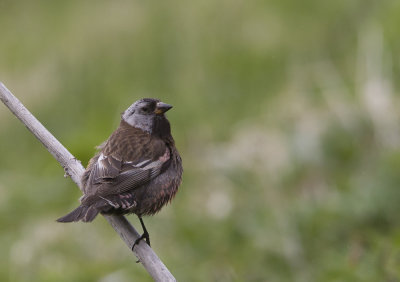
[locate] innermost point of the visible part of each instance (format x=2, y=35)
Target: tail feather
x=91, y=213
x=84, y=213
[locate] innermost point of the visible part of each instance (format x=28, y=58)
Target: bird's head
x=146, y=113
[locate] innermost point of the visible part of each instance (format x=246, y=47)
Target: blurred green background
x=286, y=114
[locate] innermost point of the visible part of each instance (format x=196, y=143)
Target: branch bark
x=74, y=169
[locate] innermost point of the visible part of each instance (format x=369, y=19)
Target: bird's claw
x=144, y=236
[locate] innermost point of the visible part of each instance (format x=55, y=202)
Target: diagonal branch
x=73, y=168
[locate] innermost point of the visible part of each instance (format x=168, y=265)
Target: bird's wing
x=106, y=167
x=110, y=175
x=129, y=159
x=133, y=176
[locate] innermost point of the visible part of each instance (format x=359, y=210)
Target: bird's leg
x=145, y=235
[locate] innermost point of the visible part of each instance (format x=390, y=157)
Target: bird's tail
x=84, y=213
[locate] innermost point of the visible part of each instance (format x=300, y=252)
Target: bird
x=137, y=170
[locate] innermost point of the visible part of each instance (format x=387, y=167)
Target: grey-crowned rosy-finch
x=137, y=170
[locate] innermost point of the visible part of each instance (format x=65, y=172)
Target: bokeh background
x=286, y=114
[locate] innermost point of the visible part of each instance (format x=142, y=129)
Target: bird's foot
x=137, y=241
x=144, y=236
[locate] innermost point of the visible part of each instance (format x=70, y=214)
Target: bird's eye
x=145, y=109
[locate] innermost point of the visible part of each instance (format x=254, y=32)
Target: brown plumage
x=137, y=170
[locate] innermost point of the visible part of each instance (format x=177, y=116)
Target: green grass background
x=286, y=114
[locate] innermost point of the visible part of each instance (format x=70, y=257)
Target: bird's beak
x=162, y=108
